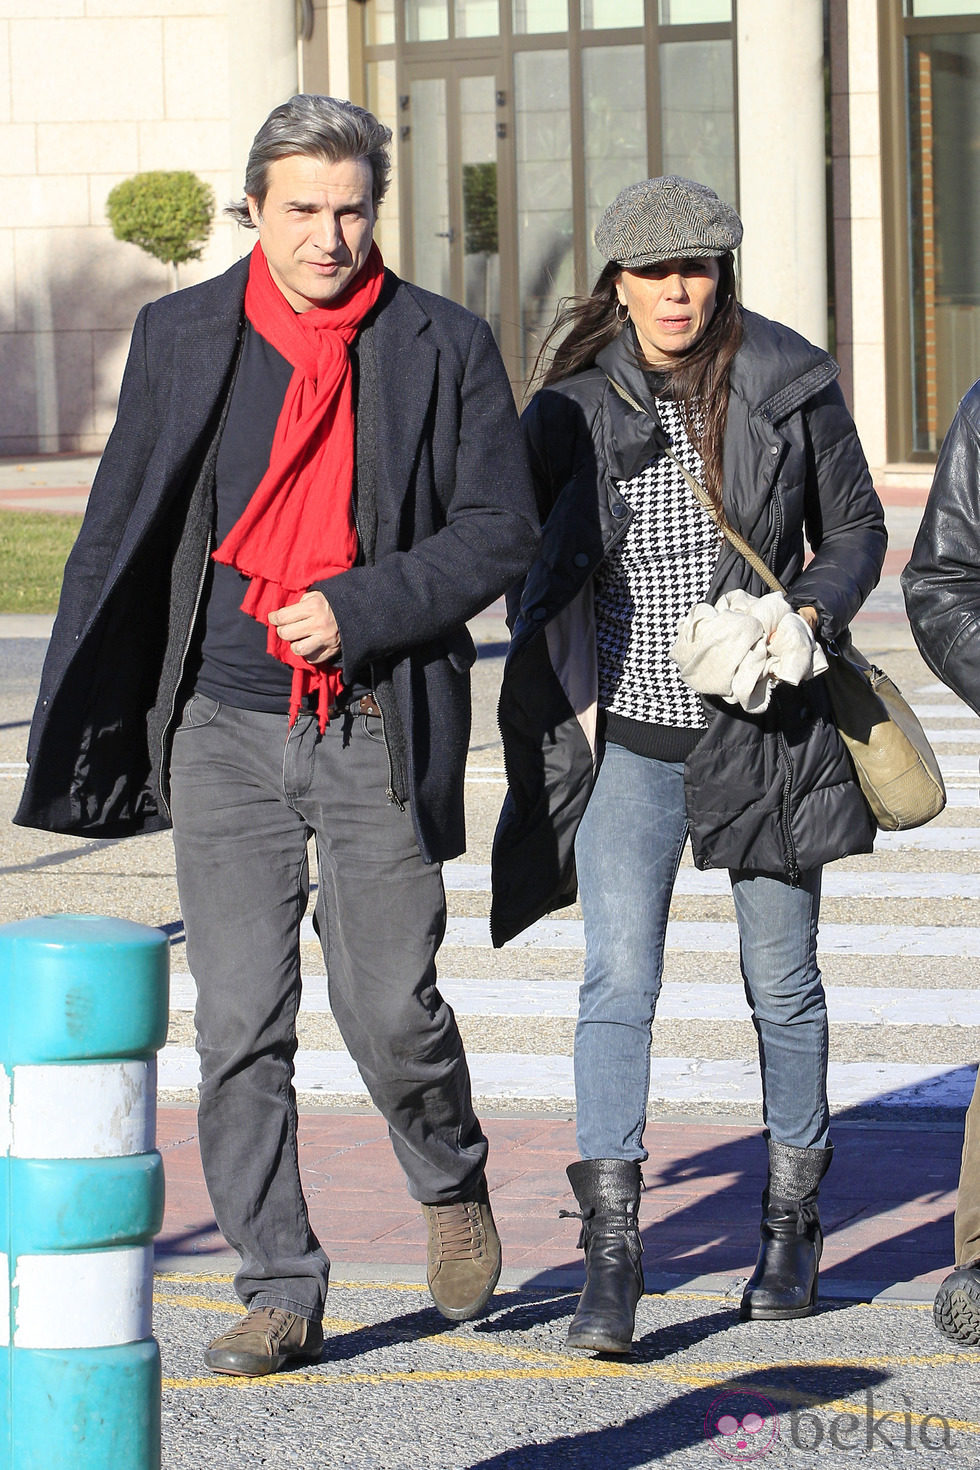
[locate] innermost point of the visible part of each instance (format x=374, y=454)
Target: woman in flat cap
x=665, y=410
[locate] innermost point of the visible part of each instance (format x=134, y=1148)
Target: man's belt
x=366, y=705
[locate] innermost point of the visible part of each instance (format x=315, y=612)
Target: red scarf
x=298, y=527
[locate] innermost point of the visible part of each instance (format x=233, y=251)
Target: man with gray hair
x=315, y=479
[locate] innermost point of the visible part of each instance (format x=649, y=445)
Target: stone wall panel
x=81, y=58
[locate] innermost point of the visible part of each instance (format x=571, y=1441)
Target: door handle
x=449, y=235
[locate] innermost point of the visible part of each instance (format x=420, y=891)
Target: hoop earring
x=622, y=307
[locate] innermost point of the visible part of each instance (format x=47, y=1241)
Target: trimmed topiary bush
x=166, y=213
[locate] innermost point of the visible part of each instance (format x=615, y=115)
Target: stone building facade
x=846, y=131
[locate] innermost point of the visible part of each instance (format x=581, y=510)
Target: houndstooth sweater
x=663, y=565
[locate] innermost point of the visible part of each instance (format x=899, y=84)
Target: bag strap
x=704, y=499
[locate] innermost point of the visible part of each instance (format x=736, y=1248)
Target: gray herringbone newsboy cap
x=661, y=219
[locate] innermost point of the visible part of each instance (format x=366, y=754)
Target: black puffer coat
x=773, y=792
x=942, y=580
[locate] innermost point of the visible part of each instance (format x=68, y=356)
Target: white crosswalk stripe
x=856, y=1005
x=962, y=796
x=722, y=938
x=505, y=1076
x=536, y=988
x=947, y=735
x=958, y=768
x=474, y=878
x=958, y=712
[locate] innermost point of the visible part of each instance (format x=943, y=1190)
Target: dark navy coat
x=453, y=524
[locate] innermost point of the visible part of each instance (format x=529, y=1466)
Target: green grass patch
x=34, y=547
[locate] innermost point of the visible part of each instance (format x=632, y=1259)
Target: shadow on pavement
x=772, y=1393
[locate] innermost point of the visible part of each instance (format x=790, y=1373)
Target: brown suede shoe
x=463, y=1256
x=266, y=1339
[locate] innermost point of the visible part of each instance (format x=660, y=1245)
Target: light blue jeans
x=627, y=853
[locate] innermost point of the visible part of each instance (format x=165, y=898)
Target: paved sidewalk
x=58, y=482
x=888, y=1228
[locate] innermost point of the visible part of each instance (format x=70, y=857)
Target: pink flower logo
x=742, y=1425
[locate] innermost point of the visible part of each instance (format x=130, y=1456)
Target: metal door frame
x=453, y=70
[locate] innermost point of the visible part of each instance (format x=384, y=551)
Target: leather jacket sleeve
x=844, y=520
x=942, y=580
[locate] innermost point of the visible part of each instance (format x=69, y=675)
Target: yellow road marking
x=199, y=1303
x=191, y=1276
x=235, y=1309
x=569, y=1371
x=506, y=1294
x=842, y=1406
x=911, y=1360
x=723, y=1369
x=532, y=1364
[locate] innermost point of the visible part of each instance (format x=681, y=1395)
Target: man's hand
x=309, y=627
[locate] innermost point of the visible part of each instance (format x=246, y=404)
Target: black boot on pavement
x=608, y=1192
x=463, y=1255
x=265, y=1340
x=784, y=1282
x=957, y=1307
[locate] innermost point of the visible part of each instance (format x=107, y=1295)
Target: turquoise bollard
x=83, y=1012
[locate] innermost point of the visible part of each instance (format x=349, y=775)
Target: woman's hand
x=810, y=616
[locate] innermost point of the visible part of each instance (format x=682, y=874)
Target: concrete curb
x=26, y=625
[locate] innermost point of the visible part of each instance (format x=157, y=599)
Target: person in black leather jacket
x=942, y=595
x=611, y=759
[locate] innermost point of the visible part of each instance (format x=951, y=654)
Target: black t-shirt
x=235, y=666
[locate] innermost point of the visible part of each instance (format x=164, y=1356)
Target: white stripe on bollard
x=6, y=1089
x=83, y=1110
x=111, y=1295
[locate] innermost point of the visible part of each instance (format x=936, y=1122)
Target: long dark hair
x=584, y=325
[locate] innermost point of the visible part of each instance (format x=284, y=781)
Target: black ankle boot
x=608, y=1191
x=784, y=1282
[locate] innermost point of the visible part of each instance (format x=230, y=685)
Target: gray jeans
x=247, y=793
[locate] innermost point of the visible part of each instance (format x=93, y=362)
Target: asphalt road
x=400, y=1389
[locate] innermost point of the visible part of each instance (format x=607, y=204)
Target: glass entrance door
x=453, y=122
x=944, y=190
